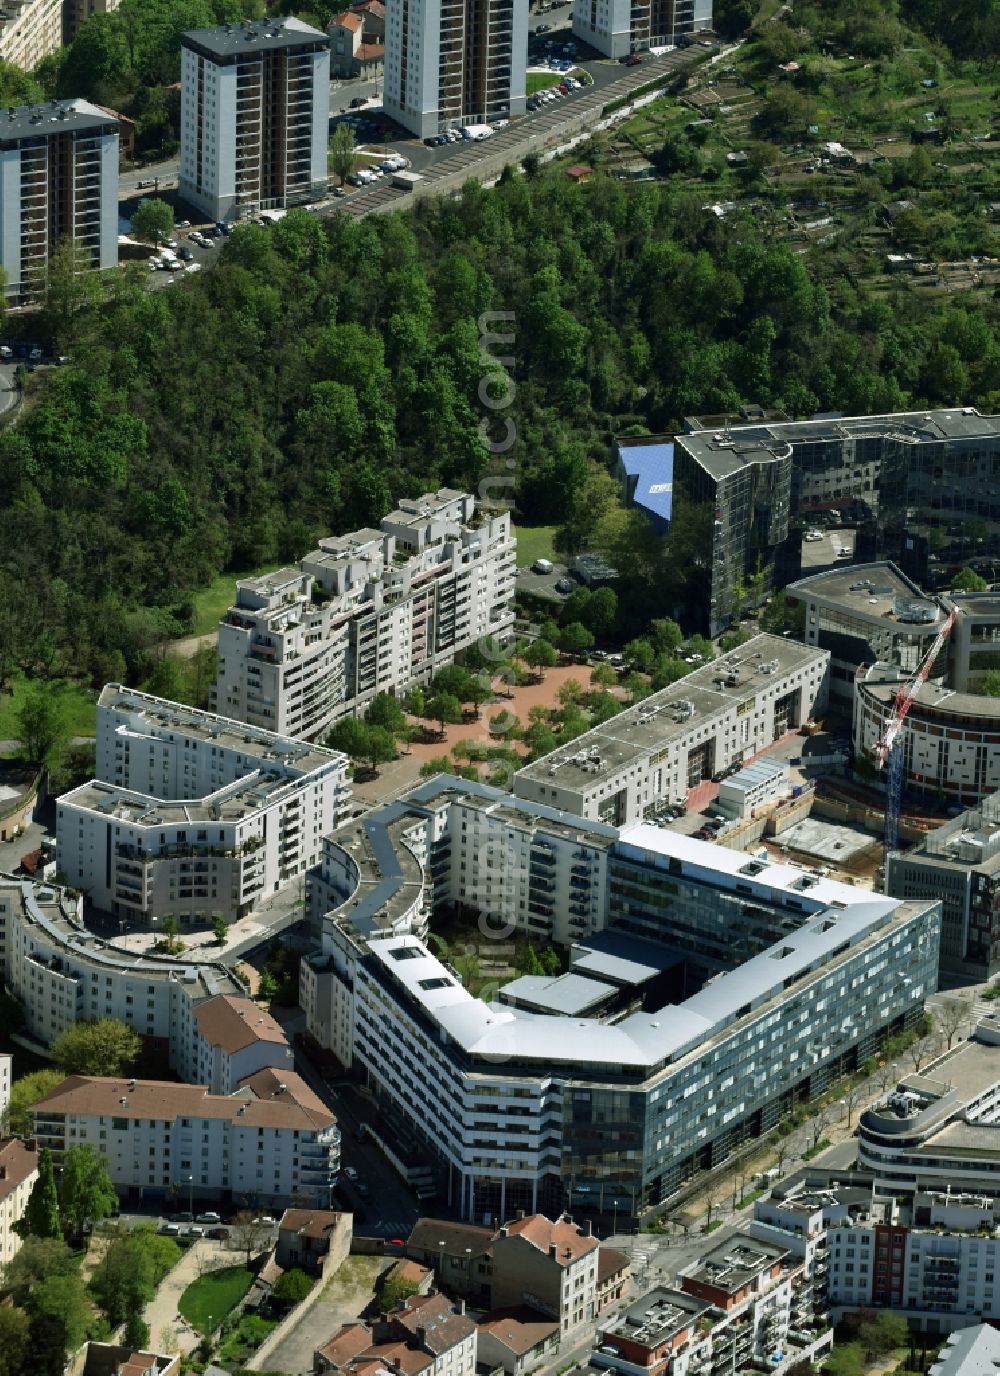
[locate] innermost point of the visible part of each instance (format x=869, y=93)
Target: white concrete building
x=29, y=31
x=58, y=182
x=255, y=115
x=365, y=613
x=273, y=1142
x=752, y=787
x=18, y=1173
x=722, y=714
x=193, y=814
x=619, y=27
x=450, y=65
x=63, y=974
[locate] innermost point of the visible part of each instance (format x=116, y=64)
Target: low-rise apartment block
x=29, y=31
x=58, y=183
x=255, y=115
x=233, y=1038
x=193, y=814
x=931, y=1255
x=959, y=863
x=273, y=1142
x=18, y=1173
x=314, y=1240
x=365, y=613
x=745, y=1304
x=722, y=714
x=619, y=27
x=63, y=974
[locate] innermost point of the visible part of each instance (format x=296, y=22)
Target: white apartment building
x=365, y=613
x=273, y=1142
x=619, y=27
x=29, y=31
x=722, y=714
x=193, y=814
x=255, y=115
x=18, y=1173
x=63, y=974
x=233, y=1038
x=449, y=64
x=58, y=181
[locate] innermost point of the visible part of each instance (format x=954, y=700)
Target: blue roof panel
x=652, y=468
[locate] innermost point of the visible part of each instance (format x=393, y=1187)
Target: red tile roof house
x=516, y=1339
x=426, y=1335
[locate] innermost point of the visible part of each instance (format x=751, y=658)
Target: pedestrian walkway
x=168, y=1331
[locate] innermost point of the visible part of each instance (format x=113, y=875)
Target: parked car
x=210, y=1216
x=219, y=1234
x=633, y=60
x=542, y=566
x=170, y=1229
x=185, y=1218
x=565, y=585
x=185, y=254
x=266, y=1221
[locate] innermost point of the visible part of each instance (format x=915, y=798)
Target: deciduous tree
x=102, y=1047
x=41, y=1214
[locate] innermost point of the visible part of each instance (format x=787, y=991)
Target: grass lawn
x=207, y=1300
x=212, y=602
x=81, y=707
x=541, y=81
x=534, y=542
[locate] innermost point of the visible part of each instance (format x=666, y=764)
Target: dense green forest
x=324, y=368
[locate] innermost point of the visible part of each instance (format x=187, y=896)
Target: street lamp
x=189, y=1181
x=441, y=1244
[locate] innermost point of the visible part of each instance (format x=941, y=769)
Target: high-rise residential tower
x=58, y=182
x=255, y=115
x=452, y=63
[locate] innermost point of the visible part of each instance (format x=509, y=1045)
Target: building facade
x=549, y=1266
x=722, y=714
x=366, y=613
x=18, y=1173
x=193, y=814
x=619, y=27
x=29, y=31
x=449, y=65
x=58, y=183
x=715, y=993
x=273, y=1142
x=425, y=1335
x=255, y=114
x=232, y=1039
x=959, y=863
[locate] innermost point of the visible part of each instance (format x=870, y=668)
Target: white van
x=542, y=566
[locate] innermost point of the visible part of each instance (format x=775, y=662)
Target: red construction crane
x=888, y=749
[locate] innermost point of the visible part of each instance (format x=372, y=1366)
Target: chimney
x=461, y=1306
x=588, y=1230
x=520, y=1214
x=553, y=1250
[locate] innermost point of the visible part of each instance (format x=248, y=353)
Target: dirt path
x=187, y=648
x=168, y=1330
